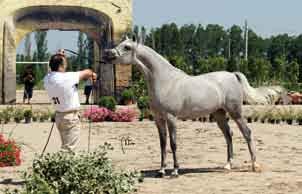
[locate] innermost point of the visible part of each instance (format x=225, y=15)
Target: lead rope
x=90, y=119
x=53, y=124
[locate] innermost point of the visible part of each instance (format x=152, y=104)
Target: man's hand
x=94, y=77
x=88, y=74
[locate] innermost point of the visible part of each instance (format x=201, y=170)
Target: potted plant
x=277, y=117
x=249, y=118
x=288, y=116
x=53, y=117
x=28, y=114
x=43, y=116
x=35, y=116
x=128, y=97
x=108, y=102
x=299, y=117
x=270, y=117
x=263, y=117
x=7, y=114
x=1, y=117
x=18, y=115
x=143, y=106
x=255, y=116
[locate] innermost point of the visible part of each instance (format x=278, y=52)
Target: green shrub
x=78, y=174
x=28, y=113
x=108, y=102
x=18, y=115
x=35, y=116
x=143, y=105
x=44, y=116
x=8, y=114
x=143, y=102
x=127, y=95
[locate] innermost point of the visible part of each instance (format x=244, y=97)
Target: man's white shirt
x=62, y=90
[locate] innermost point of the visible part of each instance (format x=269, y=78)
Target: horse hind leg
x=171, y=121
x=222, y=122
x=247, y=134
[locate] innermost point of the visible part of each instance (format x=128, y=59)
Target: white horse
x=174, y=94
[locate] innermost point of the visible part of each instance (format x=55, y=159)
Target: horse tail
x=250, y=94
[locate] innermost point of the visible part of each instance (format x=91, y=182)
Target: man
x=62, y=90
x=29, y=81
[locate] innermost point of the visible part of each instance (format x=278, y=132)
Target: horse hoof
x=256, y=167
x=228, y=166
x=174, y=174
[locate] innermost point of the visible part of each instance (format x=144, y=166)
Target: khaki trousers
x=69, y=126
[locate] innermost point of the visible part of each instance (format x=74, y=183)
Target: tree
x=41, y=45
x=215, y=41
x=81, y=62
x=27, y=47
x=236, y=42
x=292, y=72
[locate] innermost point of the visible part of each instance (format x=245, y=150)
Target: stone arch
x=102, y=21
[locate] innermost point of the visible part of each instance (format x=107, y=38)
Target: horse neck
x=158, y=66
x=160, y=71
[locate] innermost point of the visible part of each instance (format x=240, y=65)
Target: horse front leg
x=171, y=121
x=162, y=130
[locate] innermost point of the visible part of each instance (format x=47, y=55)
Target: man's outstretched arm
x=87, y=74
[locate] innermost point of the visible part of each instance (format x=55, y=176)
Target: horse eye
x=127, y=48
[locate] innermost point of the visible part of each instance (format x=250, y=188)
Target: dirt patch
x=201, y=152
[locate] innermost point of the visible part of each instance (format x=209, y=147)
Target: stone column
x=9, y=64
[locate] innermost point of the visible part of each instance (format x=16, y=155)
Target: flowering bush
x=9, y=153
x=97, y=114
x=100, y=114
x=123, y=115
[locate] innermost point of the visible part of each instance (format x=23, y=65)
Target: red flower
x=9, y=152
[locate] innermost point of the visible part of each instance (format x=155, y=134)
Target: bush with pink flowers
x=100, y=114
x=97, y=114
x=123, y=115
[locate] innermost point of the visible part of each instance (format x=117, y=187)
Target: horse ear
x=134, y=38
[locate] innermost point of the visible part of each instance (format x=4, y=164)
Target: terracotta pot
x=128, y=102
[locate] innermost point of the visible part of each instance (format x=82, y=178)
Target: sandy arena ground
x=201, y=152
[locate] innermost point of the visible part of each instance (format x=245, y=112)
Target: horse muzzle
x=109, y=55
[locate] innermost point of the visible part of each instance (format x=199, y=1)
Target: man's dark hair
x=56, y=61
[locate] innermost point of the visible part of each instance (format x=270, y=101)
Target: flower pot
x=211, y=119
x=17, y=120
x=151, y=118
x=27, y=119
x=128, y=102
x=289, y=121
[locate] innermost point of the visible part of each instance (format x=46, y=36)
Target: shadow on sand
x=184, y=171
x=11, y=182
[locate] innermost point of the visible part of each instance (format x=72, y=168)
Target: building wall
x=119, y=12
